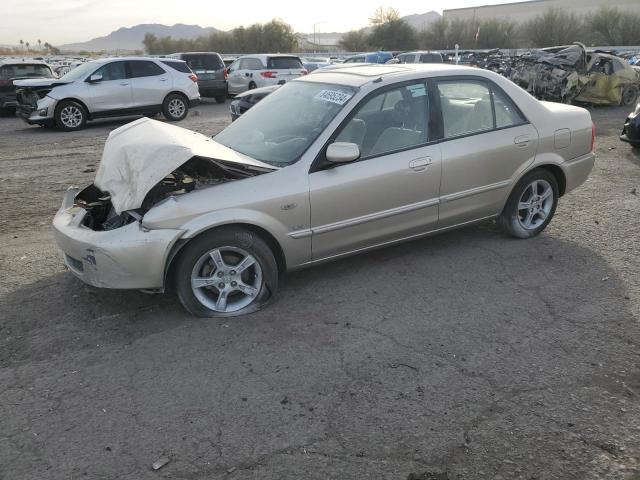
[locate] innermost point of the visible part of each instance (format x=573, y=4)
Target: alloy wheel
x=71, y=116
x=226, y=279
x=535, y=204
x=176, y=108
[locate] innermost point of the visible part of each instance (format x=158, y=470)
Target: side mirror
x=343, y=152
x=96, y=77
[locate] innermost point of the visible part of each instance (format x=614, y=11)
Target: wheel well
x=84, y=105
x=557, y=172
x=177, y=92
x=270, y=240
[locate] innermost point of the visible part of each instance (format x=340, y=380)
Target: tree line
x=388, y=31
x=275, y=36
x=607, y=26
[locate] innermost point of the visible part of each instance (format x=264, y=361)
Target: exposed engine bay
x=195, y=174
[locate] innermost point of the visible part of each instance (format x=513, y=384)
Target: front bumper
x=41, y=114
x=129, y=257
x=631, y=130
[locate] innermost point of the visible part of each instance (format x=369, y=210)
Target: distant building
x=523, y=11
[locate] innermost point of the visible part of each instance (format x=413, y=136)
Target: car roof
x=121, y=59
x=195, y=53
x=22, y=61
x=357, y=75
x=269, y=55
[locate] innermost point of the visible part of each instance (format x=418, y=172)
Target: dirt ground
x=462, y=356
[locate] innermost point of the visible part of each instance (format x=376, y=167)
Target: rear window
x=430, y=58
x=284, y=62
x=203, y=61
x=24, y=70
x=179, y=66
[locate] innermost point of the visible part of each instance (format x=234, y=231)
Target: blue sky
x=65, y=21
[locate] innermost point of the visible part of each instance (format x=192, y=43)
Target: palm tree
x=21, y=44
x=27, y=44
x=40, y=44
x=46, y=46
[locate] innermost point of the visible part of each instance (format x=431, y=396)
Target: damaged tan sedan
x=332, y=164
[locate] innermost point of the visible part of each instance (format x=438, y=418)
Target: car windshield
x=280, y=128
x=80, y=71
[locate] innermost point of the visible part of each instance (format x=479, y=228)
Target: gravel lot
x=463, y=356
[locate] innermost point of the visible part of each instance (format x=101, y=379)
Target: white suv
x=254, y=71
x=109, y=87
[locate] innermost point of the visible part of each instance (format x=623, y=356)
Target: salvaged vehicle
x=631, y=129
x=211, y=72
x=12, y=70
x=109, y=87
x=244, y=101
x=572, y=74
x=329, y=165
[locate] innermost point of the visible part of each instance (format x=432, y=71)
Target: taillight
x=304, y=71
x=194, y=78
x=593, y=137
x=269, y=74
x=226, y=74
x=5, y=83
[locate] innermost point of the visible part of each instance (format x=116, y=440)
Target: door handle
x=522, y=140
x=420, y=164
x=163, y=79
x=124, y=84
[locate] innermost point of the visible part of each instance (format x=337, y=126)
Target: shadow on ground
x=468, y=354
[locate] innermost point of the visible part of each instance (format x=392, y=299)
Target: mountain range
x=130, y=38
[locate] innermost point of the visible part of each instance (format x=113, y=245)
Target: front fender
x=296, y=250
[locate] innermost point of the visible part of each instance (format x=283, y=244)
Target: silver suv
x=254, y=71
x=109, y=87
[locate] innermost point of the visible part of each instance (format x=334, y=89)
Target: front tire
x=531, y=205
x=221, y=98
x=175, y=107
x=70, y=115
x=230, y=271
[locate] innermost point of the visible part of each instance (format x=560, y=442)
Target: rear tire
x=70, y=115
x=252, y=86
x=211, y=280
x=629, y=96
x=175, y=107
x=221, y=98
x=531, y=205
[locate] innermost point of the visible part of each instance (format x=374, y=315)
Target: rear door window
x=203, y=61
x=179, y=66
x=284, y=63
x=144, y=68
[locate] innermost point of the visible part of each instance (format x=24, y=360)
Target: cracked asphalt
x=467, y=355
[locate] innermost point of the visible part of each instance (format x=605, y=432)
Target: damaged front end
x=99, y=228
x=33, y=103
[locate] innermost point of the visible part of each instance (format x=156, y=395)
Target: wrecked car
x=329, y=165
x=12, y=70
x=631, y=128
x=572, y=74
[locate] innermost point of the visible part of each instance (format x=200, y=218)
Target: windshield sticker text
x=333, y=96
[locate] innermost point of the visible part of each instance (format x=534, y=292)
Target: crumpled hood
x=39, y=82
x=138, y=155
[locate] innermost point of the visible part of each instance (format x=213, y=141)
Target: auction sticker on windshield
x=333, y=96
